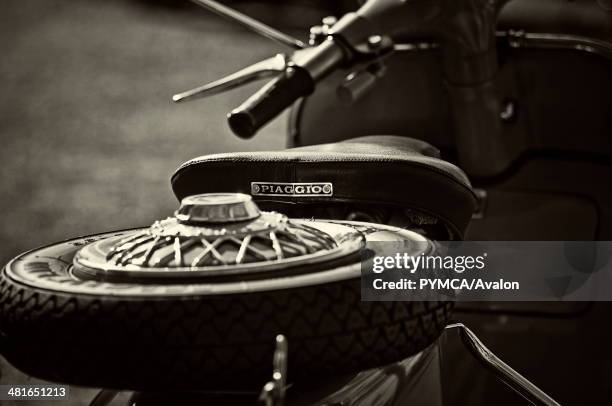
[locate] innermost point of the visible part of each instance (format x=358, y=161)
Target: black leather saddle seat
x=372, y=170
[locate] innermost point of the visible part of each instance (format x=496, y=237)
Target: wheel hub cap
x=218, y=235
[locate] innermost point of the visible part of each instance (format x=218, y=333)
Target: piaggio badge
x=291, y=189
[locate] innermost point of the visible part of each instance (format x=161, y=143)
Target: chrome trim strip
x=522, y=39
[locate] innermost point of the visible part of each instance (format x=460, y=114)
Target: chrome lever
x=273, y=392
x=261, y=70
x=257, y=26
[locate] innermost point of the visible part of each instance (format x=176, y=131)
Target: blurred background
x=90, y=137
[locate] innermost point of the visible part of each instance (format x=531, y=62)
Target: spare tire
x=199, y=334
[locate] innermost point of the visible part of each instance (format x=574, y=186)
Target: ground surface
x=89, y=136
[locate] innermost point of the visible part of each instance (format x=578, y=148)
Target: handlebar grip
x=269, y=101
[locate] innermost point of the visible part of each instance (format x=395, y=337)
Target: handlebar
x=270, y=100
x=467, y=29
x=306, y=68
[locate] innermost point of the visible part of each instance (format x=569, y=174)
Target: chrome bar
x=520, y=39
x=525, y=39
x=503, y=371
x=251, y=23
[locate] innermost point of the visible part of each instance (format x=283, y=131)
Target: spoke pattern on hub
x=147, y=250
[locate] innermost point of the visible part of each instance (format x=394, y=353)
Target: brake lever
x=267, y=68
